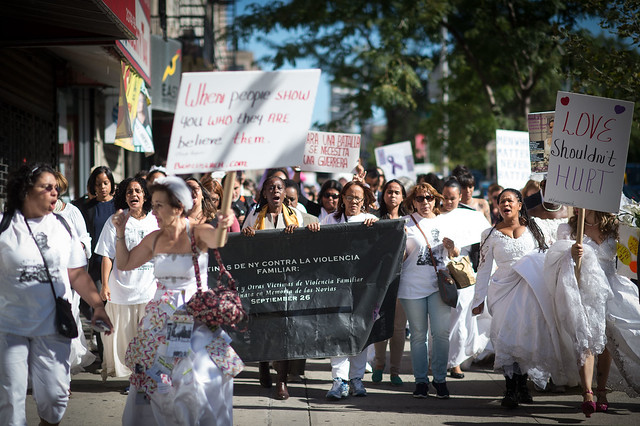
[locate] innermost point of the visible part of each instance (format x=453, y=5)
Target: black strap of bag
x=433, y=261
x=65, y=322
x=448, y=293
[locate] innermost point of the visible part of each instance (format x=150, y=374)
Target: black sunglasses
x=334, y=196
x=421, y=198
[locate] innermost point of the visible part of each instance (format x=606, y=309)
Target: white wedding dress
x=523, y=328
x=602, y=310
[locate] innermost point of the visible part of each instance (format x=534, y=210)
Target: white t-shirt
x=27, y=306
x=418, y=278
x=135, y=286
x=361, y=217
x=75, y=220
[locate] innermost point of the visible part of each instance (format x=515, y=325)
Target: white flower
x=630, y=214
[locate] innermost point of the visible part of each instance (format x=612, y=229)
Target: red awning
x=63, y=22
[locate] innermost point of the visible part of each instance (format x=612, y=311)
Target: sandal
x=602, y=405
x=588, y=407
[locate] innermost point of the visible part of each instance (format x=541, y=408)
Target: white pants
x=46, y=358
x=349, y=367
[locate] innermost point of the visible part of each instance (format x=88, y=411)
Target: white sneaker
x=339, y=390
x=357, y=388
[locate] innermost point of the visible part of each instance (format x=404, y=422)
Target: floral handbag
x=217, y=306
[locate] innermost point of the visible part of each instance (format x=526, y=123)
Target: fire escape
x=200, y=25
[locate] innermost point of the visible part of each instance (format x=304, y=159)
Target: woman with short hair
x=41, y=258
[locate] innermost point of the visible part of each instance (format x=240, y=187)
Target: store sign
x=137, y=52
x=166, y=68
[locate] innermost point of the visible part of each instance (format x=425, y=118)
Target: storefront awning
x=64, y=22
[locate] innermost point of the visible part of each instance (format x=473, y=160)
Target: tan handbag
x=462, y=272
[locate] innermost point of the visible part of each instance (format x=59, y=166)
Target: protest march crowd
x=137, y=252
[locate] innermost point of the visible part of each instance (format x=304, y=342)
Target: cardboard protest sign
x=627, y=250
x=540, y=132
x=241, y=120
x=396, y=160
x=331, y=152
x=512, y=158
x=589, y=151
x=314, y=294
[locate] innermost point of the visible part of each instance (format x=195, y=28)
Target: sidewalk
x=474, y=399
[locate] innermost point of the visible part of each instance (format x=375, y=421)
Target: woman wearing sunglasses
x=328, y=199
x=427, y=250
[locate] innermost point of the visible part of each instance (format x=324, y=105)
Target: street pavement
x=474, y=399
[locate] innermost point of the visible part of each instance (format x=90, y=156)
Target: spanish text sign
x=589, y=151
x=314, y=294
x=241, y=120
x=331, y=152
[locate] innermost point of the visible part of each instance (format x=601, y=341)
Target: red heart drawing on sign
x=564, y=101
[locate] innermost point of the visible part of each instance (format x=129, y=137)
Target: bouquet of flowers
x=630, y=214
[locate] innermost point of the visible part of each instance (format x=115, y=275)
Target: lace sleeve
x=564, y=232
x=484, y=268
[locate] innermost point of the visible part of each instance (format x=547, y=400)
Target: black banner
x=315, y=294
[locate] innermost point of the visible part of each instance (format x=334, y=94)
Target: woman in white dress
x=193, y=385
x=599, y=315
x=468, y=336
x=80, y=356
x=524, y=341
x=126, y=292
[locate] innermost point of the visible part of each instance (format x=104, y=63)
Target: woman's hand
x=248, y=232
x=478, y=309
x=359, y=172
x=290, y=228
x=100, y=314
x=119, y=220
x=452, y=250
x=105, y=293
x=314, y=227
x=576, y=252
x=225, y=220
x=369, y=222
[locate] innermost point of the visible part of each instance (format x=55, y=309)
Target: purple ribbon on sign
x=393, y=164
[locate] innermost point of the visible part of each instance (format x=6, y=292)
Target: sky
x=321, y=112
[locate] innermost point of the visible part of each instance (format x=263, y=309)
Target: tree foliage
x=507, y=58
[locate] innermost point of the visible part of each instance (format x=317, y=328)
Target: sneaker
x=422, y=390
x=339, y=390
x=376, y=377
x=441, y=390
x=356, y=387
x=396, y=381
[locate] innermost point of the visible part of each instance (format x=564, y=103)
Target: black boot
x=265, y=375
x=523, y=391
x=510, y=399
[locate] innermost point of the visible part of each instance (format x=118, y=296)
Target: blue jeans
x=420, y=313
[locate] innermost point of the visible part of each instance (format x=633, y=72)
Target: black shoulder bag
x=65, y=323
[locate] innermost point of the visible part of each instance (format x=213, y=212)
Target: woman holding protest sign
x=525, y=341
x=596, y=310
x=354, y=199
x=427, y=250
x=272, y=213
x=41, y=258
x=393, y=195
x=179, y=376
